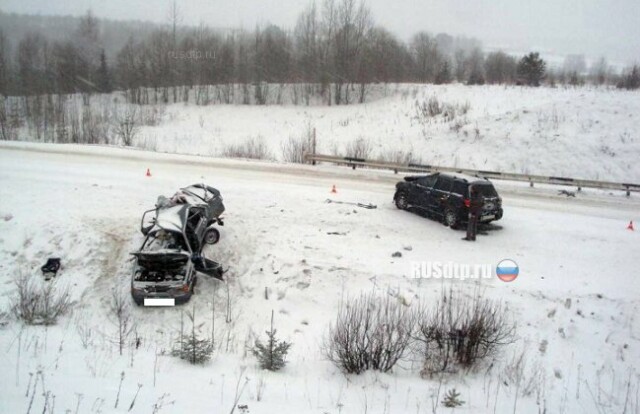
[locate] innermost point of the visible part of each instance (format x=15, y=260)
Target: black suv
x=446, y=197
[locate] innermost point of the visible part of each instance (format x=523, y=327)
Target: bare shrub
x=39, y=304
x=433, y=107
x=127, y=124
x=370, y=333
x=252, y=148
x=95, y=126
x=404, y=157
x=146, y=142
x=359, y=148
x=458, y=332
x=85, y=330
x=427, y=110
x=152, y=115
x=7, y=128
x=464, y=108
x=261, y=91
x=458, y=125
x=448, y=112
x=294, y=149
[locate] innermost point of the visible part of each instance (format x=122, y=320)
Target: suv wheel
x=451, y=218
x=401, y=201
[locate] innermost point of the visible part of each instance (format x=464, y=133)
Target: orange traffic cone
x=148, y=173
x=333, y=190
x=630, y=226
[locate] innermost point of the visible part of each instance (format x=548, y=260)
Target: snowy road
x=578, y=279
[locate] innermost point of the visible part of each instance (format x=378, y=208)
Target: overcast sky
x=592, y=27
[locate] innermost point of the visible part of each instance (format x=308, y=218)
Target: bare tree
x=126, y=123
x=599, y=71
x=475, y=67
x=131, y=71
x=308, y=49
x=460, y=71
x=426, y=57
x=87, y=42
x=174, y=16
x=32, y=57
x=575, y=63
x=500, y=68
x=4, y=65
x=353, y=21
x=120, y=313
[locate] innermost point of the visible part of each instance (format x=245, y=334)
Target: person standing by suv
x=475, y=210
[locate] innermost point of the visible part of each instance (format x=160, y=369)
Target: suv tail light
x=467, y=202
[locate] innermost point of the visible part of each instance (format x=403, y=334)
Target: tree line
x=335, y=51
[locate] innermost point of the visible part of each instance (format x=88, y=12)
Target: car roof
x=471, y=179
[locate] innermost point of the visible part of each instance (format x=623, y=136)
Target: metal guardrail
x=531, y=179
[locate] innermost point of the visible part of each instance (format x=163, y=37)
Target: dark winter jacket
x=476, y=203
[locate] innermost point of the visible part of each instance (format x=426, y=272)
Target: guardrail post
x=628, y=192
x=530, y=183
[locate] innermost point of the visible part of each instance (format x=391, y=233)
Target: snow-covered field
x=576, y=300
x=583, y=132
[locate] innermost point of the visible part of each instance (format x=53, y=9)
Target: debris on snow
x=567, y=193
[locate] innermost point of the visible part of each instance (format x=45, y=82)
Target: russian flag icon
x=507, y=270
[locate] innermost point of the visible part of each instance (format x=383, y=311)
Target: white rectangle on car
x=159, y=302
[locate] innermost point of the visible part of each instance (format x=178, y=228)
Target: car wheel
x=401, y=201
x=212, y=236
x=451, y=218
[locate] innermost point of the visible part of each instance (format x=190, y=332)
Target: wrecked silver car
x=170, y=257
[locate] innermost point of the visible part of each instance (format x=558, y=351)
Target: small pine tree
x=191, y=347
x=531, y=70
x=273, y=353
x=452, y=399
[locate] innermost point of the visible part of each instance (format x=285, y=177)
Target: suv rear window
x=486, y=190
